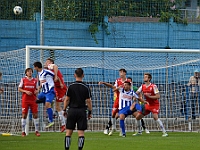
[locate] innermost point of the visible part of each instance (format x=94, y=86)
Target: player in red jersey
x=28, y=87
x=120, y=81
x=151, y=94
x=60, y=89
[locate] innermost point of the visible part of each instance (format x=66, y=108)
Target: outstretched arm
x=107, y=84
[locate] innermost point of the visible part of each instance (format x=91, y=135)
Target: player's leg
x=159, y=122
x=144, y=127
x=60, y=94
x=70, y=126
x=122, y=125
x=49, y=99
x=61, y=117
x=24, y=116
x=139, y=114
x=68, y=138
x=115, y=116
x=113, y=119
x=81, y=126
x=34, y=109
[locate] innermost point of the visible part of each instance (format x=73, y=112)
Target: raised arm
x=107, y=84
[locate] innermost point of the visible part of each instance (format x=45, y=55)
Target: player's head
x=122, y=73
x=127, y=85
x=147, y=77
x=48, y=62
x=129, y=79
x=79, y=73
x=29, y=72
x=37, y=65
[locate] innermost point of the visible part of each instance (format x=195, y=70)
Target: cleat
x=124, y=135
x=23, y=134
x=120, y=133
x=62, y=128
x=147, y=131
x=111, y=132
x=165, y=134
x=37, y=133
x=138, y=133
x=105, y=131
x=50, y=124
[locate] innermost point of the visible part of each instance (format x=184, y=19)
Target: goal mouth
x=170, y=69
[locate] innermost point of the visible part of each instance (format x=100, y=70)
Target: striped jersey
x=126, y=98
x=46, y=79
x=118, y=83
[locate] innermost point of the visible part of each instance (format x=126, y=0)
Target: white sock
x=62, y=118
x=113, y=123
x=36, y=123
x=23, y=121
x=159, y=122
x=139, y=125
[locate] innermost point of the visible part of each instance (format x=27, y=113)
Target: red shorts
x=32, y=105
x=115, y=108
x=60, y=93
x=154, y=109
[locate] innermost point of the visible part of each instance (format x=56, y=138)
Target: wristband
x=89, y=112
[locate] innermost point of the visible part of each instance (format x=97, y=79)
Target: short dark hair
x=27, y=69
x=129, y=83
x=129, y=78
x=123, y=70
x=51, y=60
x=149, y=76
x=79, y=72
x=0, y=74
x=37, y=64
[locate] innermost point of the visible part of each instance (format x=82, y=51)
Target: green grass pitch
x=99, y=141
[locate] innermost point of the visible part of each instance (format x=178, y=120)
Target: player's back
x=46, y=78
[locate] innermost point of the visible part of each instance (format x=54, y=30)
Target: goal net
x=170, y=69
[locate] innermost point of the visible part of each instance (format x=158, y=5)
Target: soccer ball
x=17, y=10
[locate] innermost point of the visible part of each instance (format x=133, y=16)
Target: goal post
x=170, y=68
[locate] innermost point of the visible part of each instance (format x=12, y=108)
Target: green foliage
x=93, y=11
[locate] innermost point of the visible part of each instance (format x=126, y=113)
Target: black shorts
x=76, y=116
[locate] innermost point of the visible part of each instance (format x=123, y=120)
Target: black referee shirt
x=78, y=92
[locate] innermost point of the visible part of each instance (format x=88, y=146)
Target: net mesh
x=170, y=71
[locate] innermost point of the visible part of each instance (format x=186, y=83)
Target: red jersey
x=118, y=83
x=60, y=76
x=151, y=90
x=28, y=85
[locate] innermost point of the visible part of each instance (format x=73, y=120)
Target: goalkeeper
x=142, y=121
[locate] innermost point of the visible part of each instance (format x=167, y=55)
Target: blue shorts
x=47, y=97
x=126, y=110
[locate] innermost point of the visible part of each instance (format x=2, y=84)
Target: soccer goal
x=170, y=68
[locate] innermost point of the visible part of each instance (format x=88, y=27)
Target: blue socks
x=50, y=114
x=122, y=126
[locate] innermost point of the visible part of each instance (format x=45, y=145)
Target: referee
x=78, y=99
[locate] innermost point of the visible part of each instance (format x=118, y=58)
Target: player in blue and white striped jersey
x=126, y=104
x=46, y=78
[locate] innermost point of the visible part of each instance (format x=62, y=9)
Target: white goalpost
x=170, y=68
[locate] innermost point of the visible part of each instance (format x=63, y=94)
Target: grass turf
x=99, y=141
